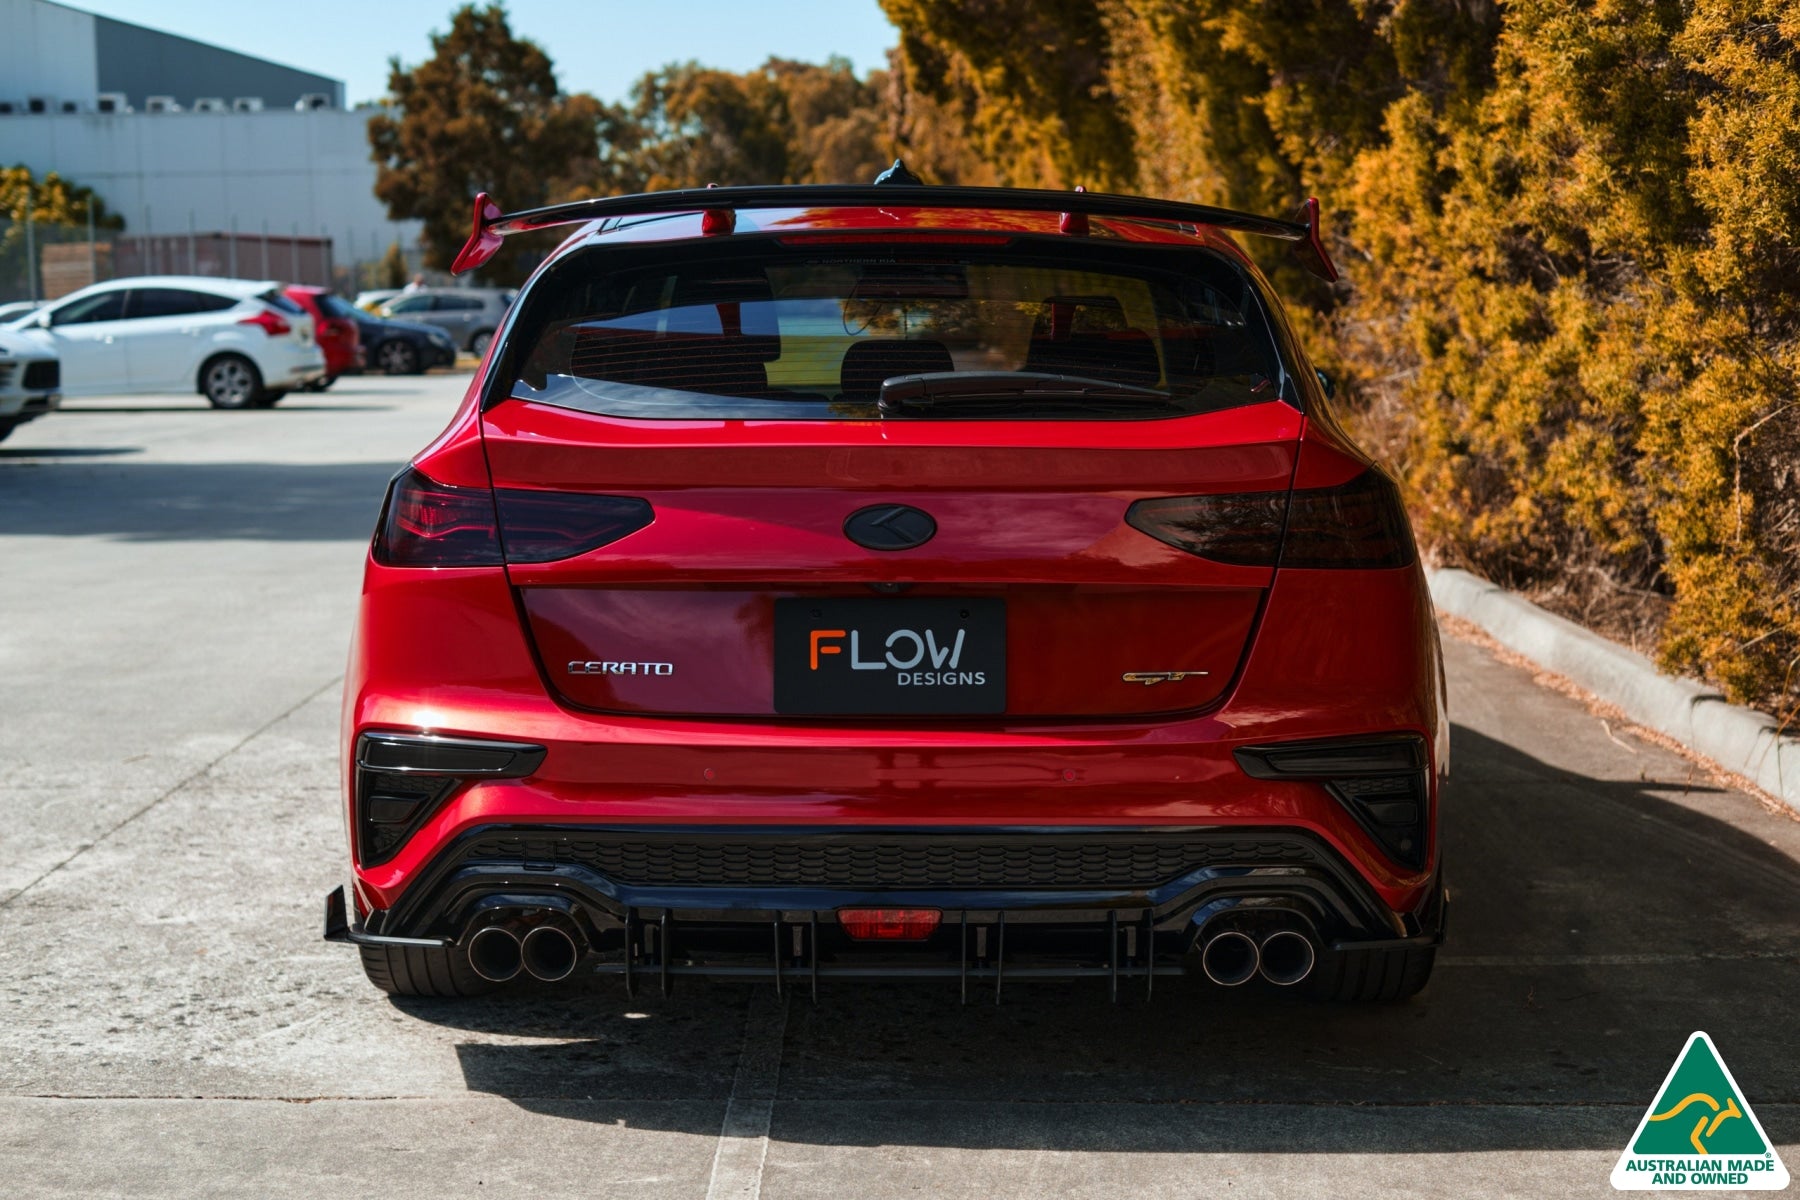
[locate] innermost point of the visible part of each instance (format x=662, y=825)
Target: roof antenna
x=899, y=174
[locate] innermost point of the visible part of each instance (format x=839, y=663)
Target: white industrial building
x=178, y=137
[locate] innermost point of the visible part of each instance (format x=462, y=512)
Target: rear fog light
x=889, y=924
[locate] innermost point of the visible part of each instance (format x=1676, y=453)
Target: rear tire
x=396, y=357
x=478, y=344
x=231, y=381
x=1372, y=976
x=441, y=971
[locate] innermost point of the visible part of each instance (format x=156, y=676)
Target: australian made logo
x=1699, y=1134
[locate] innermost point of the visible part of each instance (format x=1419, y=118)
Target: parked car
x=403, y=347
x=959, y=583
x=372, y=300
x=468, y=315
x=240, y=343
x=335, y=329
x=30, y=379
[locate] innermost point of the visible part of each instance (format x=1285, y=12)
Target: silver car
x=468, y=315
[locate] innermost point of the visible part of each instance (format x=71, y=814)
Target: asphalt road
x=176, y=590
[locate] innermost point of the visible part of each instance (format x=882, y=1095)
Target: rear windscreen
x=761, y=328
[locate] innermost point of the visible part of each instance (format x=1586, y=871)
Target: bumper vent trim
x=876, y=861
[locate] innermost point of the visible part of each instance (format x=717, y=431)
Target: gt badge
x=1152, y=678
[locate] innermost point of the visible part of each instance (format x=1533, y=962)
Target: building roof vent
x=161, y=104
x=69, y=106
x=38, y=104
x=247, y=104
x=210, y=104
x=10, y=107
x=311, y=101
x=112, y=102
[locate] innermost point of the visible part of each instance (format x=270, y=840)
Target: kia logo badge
x=889, y=527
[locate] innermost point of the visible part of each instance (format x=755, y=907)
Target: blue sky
x=599, y=46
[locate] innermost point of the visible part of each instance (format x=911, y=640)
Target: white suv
x=29, y=386
x=238, y=342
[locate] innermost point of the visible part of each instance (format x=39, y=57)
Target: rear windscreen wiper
x=948, y=393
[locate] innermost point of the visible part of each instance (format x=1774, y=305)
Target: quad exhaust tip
x=549, y=953
x=495, y=953
x=1230, y=958
x=1286, y=957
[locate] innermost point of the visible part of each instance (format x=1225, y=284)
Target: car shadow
x=7, y=452
x=1594, y=924
x=136, y=500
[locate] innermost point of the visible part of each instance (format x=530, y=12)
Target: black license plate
x=862, y=657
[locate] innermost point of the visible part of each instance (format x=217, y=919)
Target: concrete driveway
x=176, y=590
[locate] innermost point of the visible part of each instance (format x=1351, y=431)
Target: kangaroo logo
x=1699, y=1133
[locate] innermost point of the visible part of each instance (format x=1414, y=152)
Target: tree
x=54, y=205
x=1023, y=82
x=483, y=113
x=51, y=200
x=391, y=272
x=1568, y=230
x=785, y=122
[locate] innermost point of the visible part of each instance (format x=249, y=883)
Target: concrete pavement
x=176, y=589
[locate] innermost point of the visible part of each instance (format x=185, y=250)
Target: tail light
x=889, y=924
x=1359, y=524
x=1383, y=782
x=545, y=526
x=430, y=524
x=271, y=321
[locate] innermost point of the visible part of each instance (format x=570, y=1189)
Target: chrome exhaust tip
x=1286, y=957
x=1230, y=958
x=549, y=953
x=494, y=953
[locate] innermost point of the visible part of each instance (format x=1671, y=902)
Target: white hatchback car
x=238, y=342
x=29, y=383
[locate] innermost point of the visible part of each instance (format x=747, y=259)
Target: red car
x=889, y=580
x=334, y=325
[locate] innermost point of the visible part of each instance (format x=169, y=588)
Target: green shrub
x=1570, y=318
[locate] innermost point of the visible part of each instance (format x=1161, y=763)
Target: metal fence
x=43, y=261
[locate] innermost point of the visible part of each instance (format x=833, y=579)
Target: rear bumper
x=290, y=366
x=657, y=902
x=1306, y=677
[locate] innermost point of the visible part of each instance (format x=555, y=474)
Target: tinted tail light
x=272, y=323
x=1356, y=524
x=545, y=526
x=432, y=524
x=1243, y=529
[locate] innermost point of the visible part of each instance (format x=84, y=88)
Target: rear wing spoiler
x=719, y=204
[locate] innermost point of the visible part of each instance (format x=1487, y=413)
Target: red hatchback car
x=334, y=325
x=891, y=580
